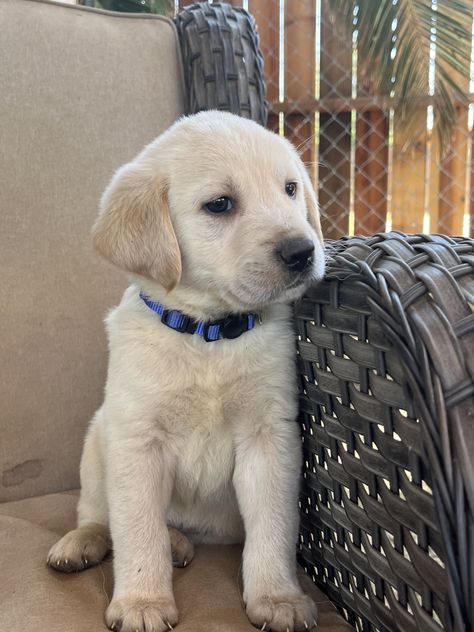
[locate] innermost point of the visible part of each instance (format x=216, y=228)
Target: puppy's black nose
x=296, y=253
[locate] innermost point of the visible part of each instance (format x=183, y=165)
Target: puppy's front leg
x=266, y=478
x=139, y=481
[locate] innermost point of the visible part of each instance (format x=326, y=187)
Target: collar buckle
x=234, y=326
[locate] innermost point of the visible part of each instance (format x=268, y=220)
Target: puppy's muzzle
x=296, y=254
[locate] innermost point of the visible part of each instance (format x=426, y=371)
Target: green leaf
x=415, y=20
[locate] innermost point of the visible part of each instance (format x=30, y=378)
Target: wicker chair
x=386, y=368
x=386, y=364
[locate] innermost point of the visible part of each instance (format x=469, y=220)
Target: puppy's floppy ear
x=134, y=229
x=311, y=202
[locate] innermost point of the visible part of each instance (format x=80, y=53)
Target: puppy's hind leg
x=182, y=549
x=88, y=544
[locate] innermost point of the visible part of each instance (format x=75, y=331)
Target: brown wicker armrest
x=386, y=365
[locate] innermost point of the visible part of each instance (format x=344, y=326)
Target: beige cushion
x=81, y=92
x=34, y=597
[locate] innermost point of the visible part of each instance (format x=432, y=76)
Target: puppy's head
x=219, y=207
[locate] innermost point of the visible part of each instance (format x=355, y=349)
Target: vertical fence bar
x=300, y=20
x=335, y=126
x=371, y=162
x=371, y=172
x=432, y=178
x=470, y=228
x=409, y=168
x=454, y=174
x=408, y=180
x=452, y=180
x=452, y=170
x=267, y=16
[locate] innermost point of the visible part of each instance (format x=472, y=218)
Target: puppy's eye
x=290, y=189
x=219, y=205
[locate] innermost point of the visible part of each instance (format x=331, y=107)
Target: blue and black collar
x=230, y=327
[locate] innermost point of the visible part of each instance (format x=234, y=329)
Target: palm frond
x=394, y=39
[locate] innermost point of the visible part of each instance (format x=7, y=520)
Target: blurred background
x=373, y=171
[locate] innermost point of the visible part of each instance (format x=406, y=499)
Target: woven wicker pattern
x=223, y=65
x=386, y=363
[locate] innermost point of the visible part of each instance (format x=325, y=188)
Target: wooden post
x=335, y=129
x=432, y=181
x=371, y=162
x=408, y=182
x=267, y=17
x=371, y=172
x=471, y=188
x=454, y=175
x=300, y=25
x=453, y=171
x=452, y=181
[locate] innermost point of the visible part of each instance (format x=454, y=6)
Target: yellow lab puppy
x=218, y=224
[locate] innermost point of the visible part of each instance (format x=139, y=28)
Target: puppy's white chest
x=205, y=458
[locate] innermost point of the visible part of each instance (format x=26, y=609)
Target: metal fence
x=368, y=177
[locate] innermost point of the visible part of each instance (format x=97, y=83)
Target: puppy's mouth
x=259, y=289
x=295, y=288
x=302, y=280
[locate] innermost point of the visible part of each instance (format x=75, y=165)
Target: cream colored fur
x=194, y=436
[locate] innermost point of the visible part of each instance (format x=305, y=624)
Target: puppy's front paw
x=127, y=614
x=295, y=613
x=79, y=549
